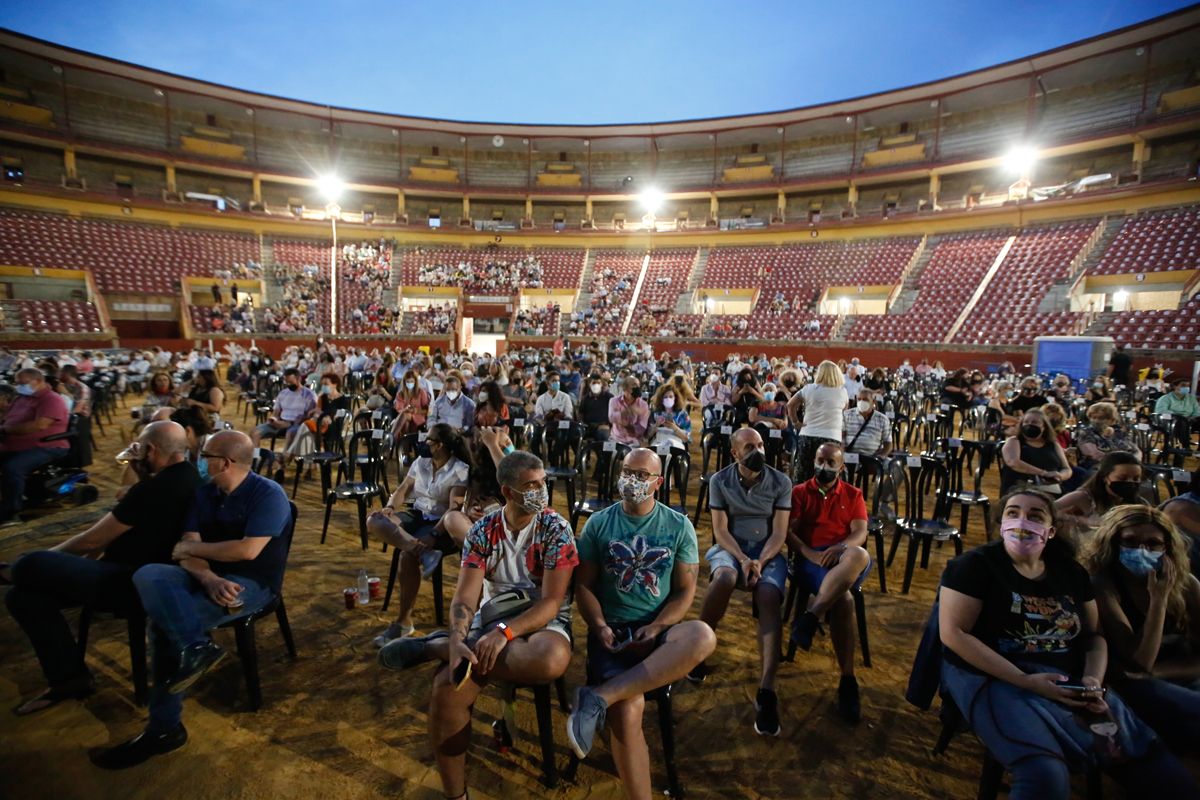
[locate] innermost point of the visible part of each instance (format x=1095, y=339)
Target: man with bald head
x=827, y=532
x=231, y=561
x=750, y=504
x=96, y=567
x=635, y=582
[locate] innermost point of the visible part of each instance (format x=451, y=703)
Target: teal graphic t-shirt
x=636, y=556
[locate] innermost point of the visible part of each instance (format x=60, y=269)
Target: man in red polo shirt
x=827, y=531
x=37, y=412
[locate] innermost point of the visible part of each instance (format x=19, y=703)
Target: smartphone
x=622, y=642
x=1077, y=687
x=462, y=673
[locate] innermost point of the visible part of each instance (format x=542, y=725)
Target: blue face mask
x=554, y=385
x=1139, y=561
x=1183, y=390
x=509, y=449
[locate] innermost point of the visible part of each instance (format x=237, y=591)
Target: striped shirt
x=876, y=431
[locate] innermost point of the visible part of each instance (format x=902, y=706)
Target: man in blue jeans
x=36, y=413
x=95, y=567
x=231, y=561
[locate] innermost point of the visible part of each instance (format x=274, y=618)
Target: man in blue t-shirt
x=636, y=580
x=231, y=561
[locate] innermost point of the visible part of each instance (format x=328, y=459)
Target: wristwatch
x=507, y=631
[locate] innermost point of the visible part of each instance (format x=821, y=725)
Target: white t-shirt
x=823, y=407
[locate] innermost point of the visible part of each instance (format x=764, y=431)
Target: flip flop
x=52, y=697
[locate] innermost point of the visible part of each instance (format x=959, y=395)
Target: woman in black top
x=746, y=395
x=1150, y=610
x=1034, y=455
x=1029, y=397
x=594, y=398
x=1025, y=659
x=205, y=393
x=956, y=391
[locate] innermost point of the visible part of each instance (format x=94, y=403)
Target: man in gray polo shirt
x=750, y=505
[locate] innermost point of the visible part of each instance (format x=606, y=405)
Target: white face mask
x=483, y=397
x=668, y=402
x=714, y=378
x=597, y=388
x=452, y=394
x=865, y=405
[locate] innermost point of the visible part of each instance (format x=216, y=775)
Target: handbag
x=504, y=605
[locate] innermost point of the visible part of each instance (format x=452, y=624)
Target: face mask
x=452, y=394
x=1126, y=490
x=632, y=490
x=1031, y=544
x=755, y=461
x=483, y=397
x=508, y=449
x=1097, y=385
x=292, y=387
x=535, y=500
x=410, y=385
x=864, y=406
x=825, y=474
x=1031, y=431
x=554, y=386
x=1029, y=391
x=714, y=379
x=668, y=402
x=1139, y=561
x=636, y=393
x=596, y=388
x=1183, y=390
x=326, y=389
x=25, y=390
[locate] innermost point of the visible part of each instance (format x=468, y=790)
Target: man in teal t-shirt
x=635, y=582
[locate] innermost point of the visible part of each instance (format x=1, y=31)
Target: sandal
x=77, y=690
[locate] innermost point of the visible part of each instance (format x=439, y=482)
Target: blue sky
x=567, y=62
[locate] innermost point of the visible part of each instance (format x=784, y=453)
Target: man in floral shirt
x=525, y=546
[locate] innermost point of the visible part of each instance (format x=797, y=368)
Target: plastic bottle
x=364, y=589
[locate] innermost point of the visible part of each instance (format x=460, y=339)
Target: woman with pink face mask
x=1024, y=661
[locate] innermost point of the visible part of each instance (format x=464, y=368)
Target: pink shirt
x=24, y=409
x=620, y=413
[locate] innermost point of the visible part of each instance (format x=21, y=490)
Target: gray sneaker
x=430, y=561
x=586, y=718
x=393, y=631
x=409, y=651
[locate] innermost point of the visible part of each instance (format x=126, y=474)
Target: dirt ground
x=336, y=725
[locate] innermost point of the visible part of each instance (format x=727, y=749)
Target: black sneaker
x=409, y=651
x=140, y=748
x=196, y=660
x=766, y=722
x=848, y=704
x=698, y=673
x=804, y=629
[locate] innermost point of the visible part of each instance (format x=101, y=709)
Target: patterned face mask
x=632, y=490
x=535, y=500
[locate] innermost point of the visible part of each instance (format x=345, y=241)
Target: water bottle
x=364, y=588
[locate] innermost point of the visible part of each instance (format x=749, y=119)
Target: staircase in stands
x=912, y=281
x=1059, y=295
x=686, y=302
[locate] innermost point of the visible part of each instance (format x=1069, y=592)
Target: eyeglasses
x=1153, y=547
x=214, y=455
x=638, y=474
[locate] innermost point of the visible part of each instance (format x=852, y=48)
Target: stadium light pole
x=331, y=187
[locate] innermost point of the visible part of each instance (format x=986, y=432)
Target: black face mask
x=1029, y=391
x=826, y=475
x=423, y=450
x=1031, y=431
x=1126, y=490
x=292, y=387
x=755, y=461
x=635, y=393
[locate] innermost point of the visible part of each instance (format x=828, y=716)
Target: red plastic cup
x=351, y=597
x=373, y=588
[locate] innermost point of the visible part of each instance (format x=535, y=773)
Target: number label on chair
x=1181, y=476
x=944, y=406
x=955, y=444
x=376, y=415
x=564, y=424
x=422, y=436
x=850, y=458
x=518, y=423
x=609, y=447
x=775, y=433
x=1166, y=415
x=664, y=449
x=913, y=461
x=378, y=433
x=931, y=417
x=1143, y=426
x=726, y=429
x=890, y=415
x=341, y=414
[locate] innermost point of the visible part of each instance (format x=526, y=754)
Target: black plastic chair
x=369, y=463
x=562, y=445
x=605, y=459
x=135, y=626
x=976, y=458
x=921, y=477
x=502, y=727
x=870, y=476
x=676, y=468
x=333, y=450
x=713, y=442
x=795, y=601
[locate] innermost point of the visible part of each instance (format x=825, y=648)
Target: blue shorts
x=810, y=576
x=604, y=665
x=774, y=572
x=267, y=429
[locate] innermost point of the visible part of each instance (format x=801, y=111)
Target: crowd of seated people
x=229, y=318
x=436, y=320
x=483, y=431
x=537, y=321
x=490, y=275
x=297, y=312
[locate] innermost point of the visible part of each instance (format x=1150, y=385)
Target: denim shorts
x=810, y=576
x=774, y=572
x=604, y=665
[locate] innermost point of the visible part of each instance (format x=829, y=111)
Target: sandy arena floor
x=335, y=725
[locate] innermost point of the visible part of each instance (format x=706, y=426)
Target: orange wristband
x=507, y=631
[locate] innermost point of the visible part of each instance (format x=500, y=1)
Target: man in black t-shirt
x=142, y=529
x=1119, y=364
x=1029, y=397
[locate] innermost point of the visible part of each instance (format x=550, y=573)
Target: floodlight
x=331, y=187
x=651, y=199
x=1020, y=160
